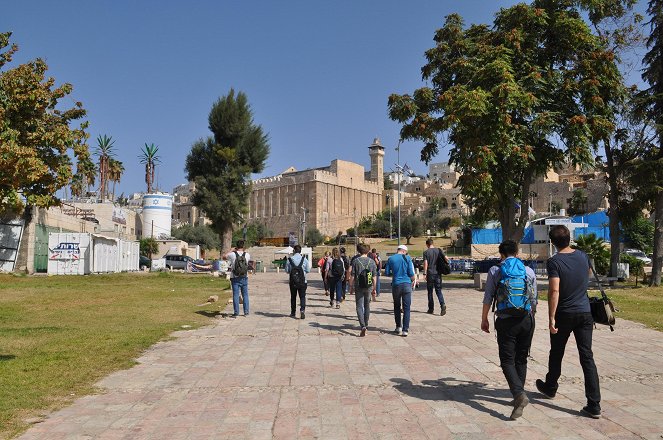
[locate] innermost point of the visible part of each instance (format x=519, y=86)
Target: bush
x=314, y=237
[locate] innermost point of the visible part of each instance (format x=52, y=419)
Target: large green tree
x=514, y=99
x=202, y=235
x=221, y=165
x=40, y=149
x=653, y=166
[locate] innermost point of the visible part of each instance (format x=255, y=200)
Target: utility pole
x=354, y=216
x=303, y=225
x=391, y=228
x=400, y=178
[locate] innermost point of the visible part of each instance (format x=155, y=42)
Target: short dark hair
x=240, y=244
x=374, y=251
x=560, y=236
x=363, y=248
x=296, y=249
x=508, y=248
x=429, y=242
x=342, y=250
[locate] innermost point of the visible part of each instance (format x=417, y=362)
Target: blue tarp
x=595, y=219
x=494, y=236
x=600, y=232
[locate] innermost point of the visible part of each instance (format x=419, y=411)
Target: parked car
x=636, y=253
x=144, y=262
x=177, y=261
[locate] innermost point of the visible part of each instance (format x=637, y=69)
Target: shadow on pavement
x=210, y=313
x=273, y=315
x=338, y=328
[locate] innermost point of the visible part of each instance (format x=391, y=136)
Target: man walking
x=378, y=263
x=433, y=277
x=345, y=283
x=297, y=266
x=512, y=288
x=569, y=312
x=401, y=268
x=362, y=284
x=238, y=262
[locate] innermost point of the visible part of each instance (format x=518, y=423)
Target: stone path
x=270, y=376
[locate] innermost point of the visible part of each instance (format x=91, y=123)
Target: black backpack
x=365, y=277
x=297, y=275
x=241, y=267
x=337, y=268
x=441, y=265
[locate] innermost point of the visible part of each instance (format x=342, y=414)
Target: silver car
x=636, y=253
x=177, y=261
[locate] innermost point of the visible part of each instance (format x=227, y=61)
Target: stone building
x=443, y=173
x=184, y=211
x=556, y=188
x=335, y=198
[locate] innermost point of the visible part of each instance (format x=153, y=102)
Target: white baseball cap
x=402, y=247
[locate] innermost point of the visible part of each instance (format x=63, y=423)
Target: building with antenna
x=334, y=198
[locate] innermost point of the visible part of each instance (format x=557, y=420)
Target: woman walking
x=335, y=269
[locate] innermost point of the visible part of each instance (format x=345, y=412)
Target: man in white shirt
x=238, y=265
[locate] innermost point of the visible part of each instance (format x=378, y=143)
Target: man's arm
x=491, y=286
x=553, y=300
x=287, y=265
x=485, y=325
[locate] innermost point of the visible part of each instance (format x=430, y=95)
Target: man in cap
x=401, y=268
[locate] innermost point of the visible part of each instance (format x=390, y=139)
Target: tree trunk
x=226, y=240
x=613, y=210
x=658, y=242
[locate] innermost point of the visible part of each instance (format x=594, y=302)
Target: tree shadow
x=469, y=393
x=209, y=313
x=273, y=315
x=337, y=328
x=6, y=357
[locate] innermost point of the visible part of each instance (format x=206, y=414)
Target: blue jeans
x=240, y=283
x=363, y=303
x=377, y=285
x=402, y=293
x=335, y=288
x=434, y=281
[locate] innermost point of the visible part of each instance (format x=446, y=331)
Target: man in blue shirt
x=300, y=289
x=401, y=268
x=514, y=333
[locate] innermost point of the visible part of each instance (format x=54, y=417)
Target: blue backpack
x=513, y=290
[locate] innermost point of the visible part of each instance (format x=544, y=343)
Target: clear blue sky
x=317, y=74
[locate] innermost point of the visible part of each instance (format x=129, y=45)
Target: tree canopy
x=514, y=99
x=201, y=235
x=221, y=165
x=40, y=149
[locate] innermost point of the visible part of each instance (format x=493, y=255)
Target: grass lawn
x=641, y=304
x=59, y=335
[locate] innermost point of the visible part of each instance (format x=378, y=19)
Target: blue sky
x=317, y=74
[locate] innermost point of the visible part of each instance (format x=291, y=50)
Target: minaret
x=376, y=151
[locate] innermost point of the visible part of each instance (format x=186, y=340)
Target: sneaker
x=363, y=332
x=338, y=305
x=292, y=315
x=398, y=331
x=404, y=333
x=594, y=413
x=443, y=311
x=302, y=315
x=430, y=312
x=331, y=303
x=519, y=404
x=544, y=389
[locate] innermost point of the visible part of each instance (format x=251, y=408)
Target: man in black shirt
x=569, y=312
x=433, y=279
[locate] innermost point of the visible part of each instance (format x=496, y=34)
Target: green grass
x=641, y=304
x=59, y=335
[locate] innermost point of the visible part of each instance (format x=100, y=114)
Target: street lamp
x=400, y=178
x=391, y=229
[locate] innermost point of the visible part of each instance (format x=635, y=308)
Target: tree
x=221, y=165
x=314, y=237
x=150, y=158
x=578, y=204
x=149, y=246
x=105, y=152
x=443, y=224
x=255, y=232
x=115, y=171
x=555, y=207
x=639, y=234
x=502, y=94
x=39, y=147
x=596, y=249
x=201, y=235
x=653, y=75
x=411, y=226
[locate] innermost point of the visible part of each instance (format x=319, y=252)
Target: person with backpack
x=569, y=312
x=434, y=259
x=346, y=277
x=401, y=268
x=238, y=262
x=335, y=274
x=511, y=290
x=322, y=264
x=297, y=266
x=362, y=284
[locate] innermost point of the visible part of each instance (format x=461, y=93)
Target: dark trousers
x=582, y=326
x=335, y=286
x=514, y=338
x=434, y=282
x=294, y=291
x=402, y=295
x=324, y=280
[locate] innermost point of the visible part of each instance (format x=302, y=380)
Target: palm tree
x=116, y=169
x=150, y=159
x=105, y=152
x=595, y=248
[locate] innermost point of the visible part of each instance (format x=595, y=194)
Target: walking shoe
x=519, y=404
x=363, y=332
x=404, y=333
x=292, y=315
x=444, y=310
x=398, y=331
x=544, y=389
x=338, y=305
x=594, y=413
x=430, y=312
x=302, y=315
x=331, y=303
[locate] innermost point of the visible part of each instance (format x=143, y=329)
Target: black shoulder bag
x=603, y=311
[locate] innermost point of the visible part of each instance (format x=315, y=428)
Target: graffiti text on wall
x=65, y=251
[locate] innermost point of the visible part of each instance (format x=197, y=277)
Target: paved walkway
x=270, y=376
